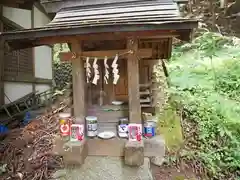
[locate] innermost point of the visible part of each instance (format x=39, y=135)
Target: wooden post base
x=134, y=153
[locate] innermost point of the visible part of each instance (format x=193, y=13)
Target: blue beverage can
x=149, y=128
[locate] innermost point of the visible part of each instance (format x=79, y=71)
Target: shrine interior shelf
x=146, y=95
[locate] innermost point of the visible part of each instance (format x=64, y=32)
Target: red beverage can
x=65, y=125
x=77, y=132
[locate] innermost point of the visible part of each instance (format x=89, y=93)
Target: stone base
x=106, y=168
x=58, y=146
x=154, y=147
x=134, y=153
x=75, y=153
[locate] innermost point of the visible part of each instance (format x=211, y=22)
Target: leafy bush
x=205, y=79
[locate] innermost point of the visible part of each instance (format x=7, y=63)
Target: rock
x=158, y=161
x=134, y=153
x=75, y=153
x=154, y=147
x=59, y=174
x=234, y=8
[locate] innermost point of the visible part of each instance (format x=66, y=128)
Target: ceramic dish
x=117, y=103
x=106, y=135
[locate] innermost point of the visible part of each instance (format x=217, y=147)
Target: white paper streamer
x=88, y=69
x=115, y=71
x=96, y=72
x=114, y=64
x=106, y=76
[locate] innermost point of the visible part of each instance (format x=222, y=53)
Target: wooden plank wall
x=18, y=63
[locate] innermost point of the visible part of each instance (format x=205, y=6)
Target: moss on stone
x=169, y=126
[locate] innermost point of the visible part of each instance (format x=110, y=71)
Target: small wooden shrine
x=114, y=46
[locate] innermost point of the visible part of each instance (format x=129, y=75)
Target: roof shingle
x=122, y=16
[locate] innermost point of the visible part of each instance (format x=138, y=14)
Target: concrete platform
x=115, y=147
x=105, y=168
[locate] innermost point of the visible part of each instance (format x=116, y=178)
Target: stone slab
x=107, y=168
x=112, y=147
x=154, y=147
x=75, y=153
x=134, y=153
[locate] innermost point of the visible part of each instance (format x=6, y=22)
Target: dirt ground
x=172, y=173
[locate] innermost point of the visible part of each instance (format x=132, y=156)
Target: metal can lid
x=150, y=123
x=123, y=120
x=64, y=115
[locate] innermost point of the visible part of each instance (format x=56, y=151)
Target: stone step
x=106, y=168
x=74, y=153
x=104, y=115
x=110, y=116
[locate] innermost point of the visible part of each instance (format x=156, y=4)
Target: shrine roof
x=142, y=15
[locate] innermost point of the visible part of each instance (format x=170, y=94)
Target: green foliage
x=205, y=79
x=62, y=71
x=57, y=48
x=170, y=127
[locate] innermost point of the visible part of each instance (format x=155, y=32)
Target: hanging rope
x=103, y=57
x=96, y=74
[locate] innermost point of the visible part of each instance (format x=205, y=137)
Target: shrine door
x=120, y=90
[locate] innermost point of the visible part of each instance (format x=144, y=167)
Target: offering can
x=149, y=128
x=64, y=125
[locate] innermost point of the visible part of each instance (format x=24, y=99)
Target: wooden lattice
x=161, y=47
x=17, y=63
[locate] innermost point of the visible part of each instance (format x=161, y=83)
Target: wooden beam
x=27, y=79
x=1, y=60
x=78, y=84
x=12, y=1
x=67, y=56
x=23, y=4
x=133, y=82
x=33, y=50
x=109, y=36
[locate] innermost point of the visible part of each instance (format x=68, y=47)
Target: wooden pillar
x=133, y=82
x=1, y=60
x=78, y=83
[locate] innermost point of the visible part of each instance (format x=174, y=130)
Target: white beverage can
x=92, y=126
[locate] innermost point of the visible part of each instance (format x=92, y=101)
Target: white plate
x=106, y=135
x=117, y=102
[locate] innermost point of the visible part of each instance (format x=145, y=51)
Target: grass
x=204, y=81
x=169, y=126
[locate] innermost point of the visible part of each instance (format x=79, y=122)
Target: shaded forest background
x=221, y=16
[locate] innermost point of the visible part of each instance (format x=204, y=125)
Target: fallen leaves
x=27, y=153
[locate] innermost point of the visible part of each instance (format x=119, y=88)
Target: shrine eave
x=32, y=37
